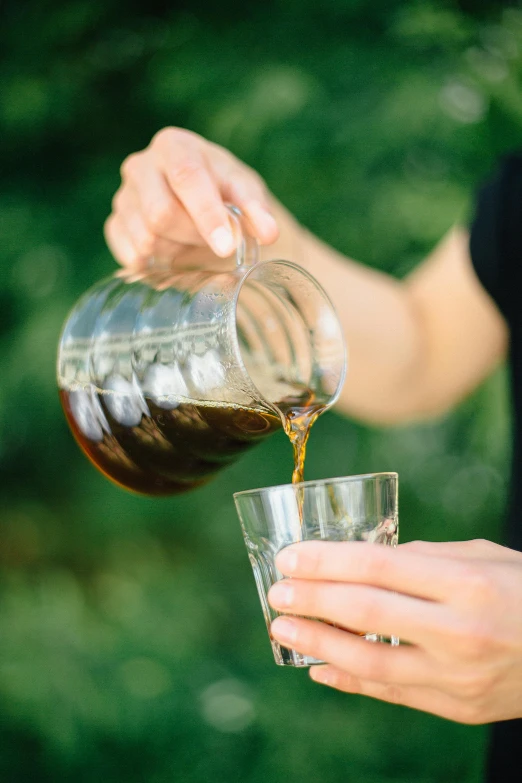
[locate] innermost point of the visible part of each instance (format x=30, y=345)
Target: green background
x=132, y=645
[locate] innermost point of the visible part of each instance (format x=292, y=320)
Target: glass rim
x=317, y=483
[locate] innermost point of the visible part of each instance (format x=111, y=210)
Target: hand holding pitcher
x=172, y=198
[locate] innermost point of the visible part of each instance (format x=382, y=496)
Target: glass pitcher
x=169, y=375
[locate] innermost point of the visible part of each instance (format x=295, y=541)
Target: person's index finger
x=406, y=572
x=186, y=172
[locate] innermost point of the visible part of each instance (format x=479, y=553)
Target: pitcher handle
x=247, y=247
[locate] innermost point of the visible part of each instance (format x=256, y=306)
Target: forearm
x=379, y=320
x=416, y=347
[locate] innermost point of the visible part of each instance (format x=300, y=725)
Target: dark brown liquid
x=168, y=451
x=299, y=417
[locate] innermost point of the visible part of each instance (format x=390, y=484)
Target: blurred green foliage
x=132, y=646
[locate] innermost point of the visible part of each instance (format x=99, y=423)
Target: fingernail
x=281, y=595
x=319, y=675
x=222, y=241
x=284, y=629
x=262, y=219
x=286, y=561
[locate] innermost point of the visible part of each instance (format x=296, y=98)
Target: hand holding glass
x=354, y=508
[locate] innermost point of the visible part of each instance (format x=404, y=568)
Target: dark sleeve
x=496, y=237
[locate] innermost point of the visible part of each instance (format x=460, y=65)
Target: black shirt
x=496, y=252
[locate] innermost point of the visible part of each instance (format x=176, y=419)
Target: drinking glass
x=353, y=508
